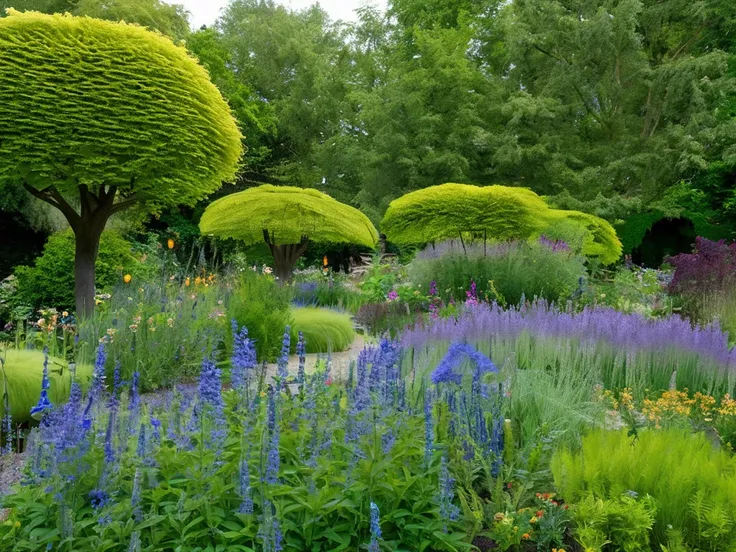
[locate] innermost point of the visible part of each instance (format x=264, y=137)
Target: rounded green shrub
x=261, y=305
x=325, y=330
x=50, y=281
x=23, y=371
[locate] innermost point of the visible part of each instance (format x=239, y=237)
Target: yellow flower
x=127, y=278
x=187, y=281
x=499, y=516
x=170, y=243
x=533, y=519
x=16, y=524
x=65, y=314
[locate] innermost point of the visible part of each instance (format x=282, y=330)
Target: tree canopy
x=288, y=215
x=107, y=116
x=287, y=219
x=496, y=213
x=89, y=103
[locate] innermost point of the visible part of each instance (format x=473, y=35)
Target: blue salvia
x=301, y=351
x=449, y=512
x=135, y=497
x=243, y=359
x=44, y=404
x=283, y=360
x=373, y=546
x=428, y=428
x=246, y=504
x=274, y=459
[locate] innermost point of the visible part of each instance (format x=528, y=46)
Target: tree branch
x=52, y=196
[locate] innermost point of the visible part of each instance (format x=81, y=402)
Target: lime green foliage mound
x=498, y=213
x=288, y=214
x=50, y=282
x=24, y=369
x=445, y=212
x=693, y=484
x=324, y=330
x=91, y=102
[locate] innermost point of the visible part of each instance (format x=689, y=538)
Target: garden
x=202, y=348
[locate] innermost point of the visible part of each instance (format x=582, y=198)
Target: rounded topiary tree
x=97, y=117
x=497, y=213
x=287, y=219
x=449, y=211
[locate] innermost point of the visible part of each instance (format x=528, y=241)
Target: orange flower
x=127, y=278
x=187, y=282
x=170, y=243
x=324, y=260
x=526, y=536
x=539, y=513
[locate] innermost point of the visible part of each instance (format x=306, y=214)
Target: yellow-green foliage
x=593, y=236
x=497, y=213
x=23, y=373
x=324, y=330
x=449, y=210
x=86, y=101
x=288, y=213
x=693, y=484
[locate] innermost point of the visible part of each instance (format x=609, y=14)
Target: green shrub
x=262, y=306
x=693, y=484
x=160, y=330
x=511, y=270
x=50, y=281
x=324, y=330
x=22, y=373
x=624, y=522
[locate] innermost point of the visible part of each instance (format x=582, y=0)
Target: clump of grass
x=23, y=371
x=324, y=330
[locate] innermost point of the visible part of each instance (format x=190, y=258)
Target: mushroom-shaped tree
x=97, y=117
x=496, y=213
x=287, y=219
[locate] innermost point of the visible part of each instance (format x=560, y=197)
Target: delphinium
x=136, y=470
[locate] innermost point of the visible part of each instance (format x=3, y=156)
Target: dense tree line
x=608, y=106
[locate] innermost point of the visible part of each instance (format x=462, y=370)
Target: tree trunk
x=285, y=256
x=85, y=255
x=88, y=224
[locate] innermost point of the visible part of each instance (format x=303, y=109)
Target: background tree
x=111, y=116
x=287, y=219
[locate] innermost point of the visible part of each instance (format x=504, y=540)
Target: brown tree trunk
x=88, y=224
x=85, y=255
x=285, y=256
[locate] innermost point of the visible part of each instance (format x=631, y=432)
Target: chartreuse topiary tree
x=97, y=117
x=287, y=219
x=497, y=213
x=449, y=211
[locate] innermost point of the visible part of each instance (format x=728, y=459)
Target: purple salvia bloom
x=447, y=369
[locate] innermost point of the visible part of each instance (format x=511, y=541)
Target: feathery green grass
x=23, y=371
x=324, y=330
